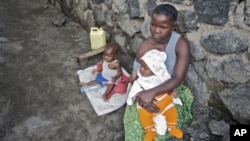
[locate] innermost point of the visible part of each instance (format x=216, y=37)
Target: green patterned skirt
x=133, y=128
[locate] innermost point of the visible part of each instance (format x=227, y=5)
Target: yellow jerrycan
x=97, y=37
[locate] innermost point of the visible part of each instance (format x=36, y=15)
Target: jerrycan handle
x=94, y=29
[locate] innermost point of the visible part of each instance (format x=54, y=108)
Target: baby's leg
x=171, y=116
x=88, y=83
x=107, y=94
x=147, y=123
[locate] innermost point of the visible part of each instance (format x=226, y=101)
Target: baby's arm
x=98, y=68
x=119, y=71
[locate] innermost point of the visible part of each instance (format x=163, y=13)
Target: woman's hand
x=146, y=100
x=152, y=108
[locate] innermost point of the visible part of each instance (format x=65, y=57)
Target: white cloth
x=142, y=83
x=177, y=101
x=94, y=93
x=155, y=60
x=160, y=124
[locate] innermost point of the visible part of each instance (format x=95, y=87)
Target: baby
x=108, y=72
x=152, y=73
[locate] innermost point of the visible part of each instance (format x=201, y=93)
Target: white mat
x=95, y=92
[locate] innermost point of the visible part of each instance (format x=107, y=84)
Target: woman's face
x=145, y=70
x=161, y=27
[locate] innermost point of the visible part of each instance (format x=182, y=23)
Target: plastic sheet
x=95, y=92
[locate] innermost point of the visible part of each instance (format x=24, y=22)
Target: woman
x=178, y=51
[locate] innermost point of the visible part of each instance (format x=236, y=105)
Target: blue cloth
x=100, y=79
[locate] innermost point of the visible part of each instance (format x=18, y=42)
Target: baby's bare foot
x=104, y=97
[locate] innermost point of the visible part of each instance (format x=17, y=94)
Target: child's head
x=153, y=63
x=110, y=52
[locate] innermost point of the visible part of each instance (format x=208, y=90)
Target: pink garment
x=121, y=86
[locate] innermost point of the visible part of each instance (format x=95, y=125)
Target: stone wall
x=218, y=32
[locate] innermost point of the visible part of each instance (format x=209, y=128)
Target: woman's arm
x=181, y=67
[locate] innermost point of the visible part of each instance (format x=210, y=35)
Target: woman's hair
x=167, y=10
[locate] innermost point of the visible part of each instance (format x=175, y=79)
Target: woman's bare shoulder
x=183, y=44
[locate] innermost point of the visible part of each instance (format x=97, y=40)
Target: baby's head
x=153, y=63
x=110, y=52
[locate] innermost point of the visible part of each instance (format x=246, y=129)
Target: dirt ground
x=39, y=93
